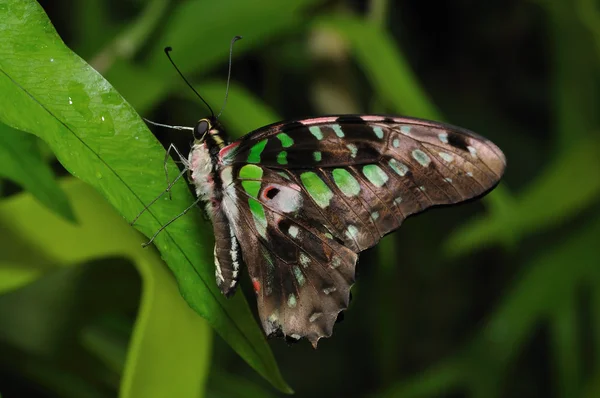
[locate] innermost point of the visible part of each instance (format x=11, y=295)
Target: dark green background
x=494, y=298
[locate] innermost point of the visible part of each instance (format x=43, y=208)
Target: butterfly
x=296, y=202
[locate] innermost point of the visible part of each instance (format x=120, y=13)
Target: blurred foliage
x=494, y=298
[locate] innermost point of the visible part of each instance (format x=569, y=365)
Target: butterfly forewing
x=305, y=197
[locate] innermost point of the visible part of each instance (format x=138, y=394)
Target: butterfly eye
x=201, y=128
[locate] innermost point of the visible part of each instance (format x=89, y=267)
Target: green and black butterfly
x=296, y=202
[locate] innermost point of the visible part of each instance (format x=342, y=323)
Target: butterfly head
x=208, y=131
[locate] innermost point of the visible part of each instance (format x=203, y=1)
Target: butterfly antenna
x=236, y=38
x=169, y=49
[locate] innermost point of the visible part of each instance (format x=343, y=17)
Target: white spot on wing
x=443, y=137
x=291, y=301
x=336, y=261
x=218, y=272
x=234, y=251
x=351, y=232
x=421, y=157
x=315, y=316
x=446, y=156
x=472, y=151
x=304, y=260
x=329, y=290
x=288, y=199
x=353, y=150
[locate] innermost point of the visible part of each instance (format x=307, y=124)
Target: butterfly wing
x=328, y=188
x=300, y=272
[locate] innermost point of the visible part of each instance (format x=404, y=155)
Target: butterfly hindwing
x=301, y=274
x=321, y=190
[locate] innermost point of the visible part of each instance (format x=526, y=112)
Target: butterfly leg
x=171, y=221
x=165, y=163
x=158, y=197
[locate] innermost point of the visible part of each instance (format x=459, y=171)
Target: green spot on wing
x=282, y=157
x=316, y=188
x=255, y=151
x=251, y=172
x=405, y=130
x=421, y=157
x=286, y=140
x=291, y=301
x=299, y=276
x=316, y=131
x=338, y=130
x=317, y=156
x=252, y=187
x=375, y=175
x=346, y=182
x=400, y=168
x=258, y=213
x=284, y=175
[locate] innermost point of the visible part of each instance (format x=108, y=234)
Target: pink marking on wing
x=226, y=150
x=319, y=120
x=372, y=118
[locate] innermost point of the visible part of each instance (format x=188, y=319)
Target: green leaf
x=199, y=33
x=98, y=137
x=21, y=162
x=574, y=73
x=152, y=369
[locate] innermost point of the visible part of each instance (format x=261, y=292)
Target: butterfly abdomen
x=228, y=257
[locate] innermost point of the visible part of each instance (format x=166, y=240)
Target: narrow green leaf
x=574, y=73
x=384, y=65
x=49, y=91
x=128, y=42
x=199, y=33
x=21, y=162
x=566, y=344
